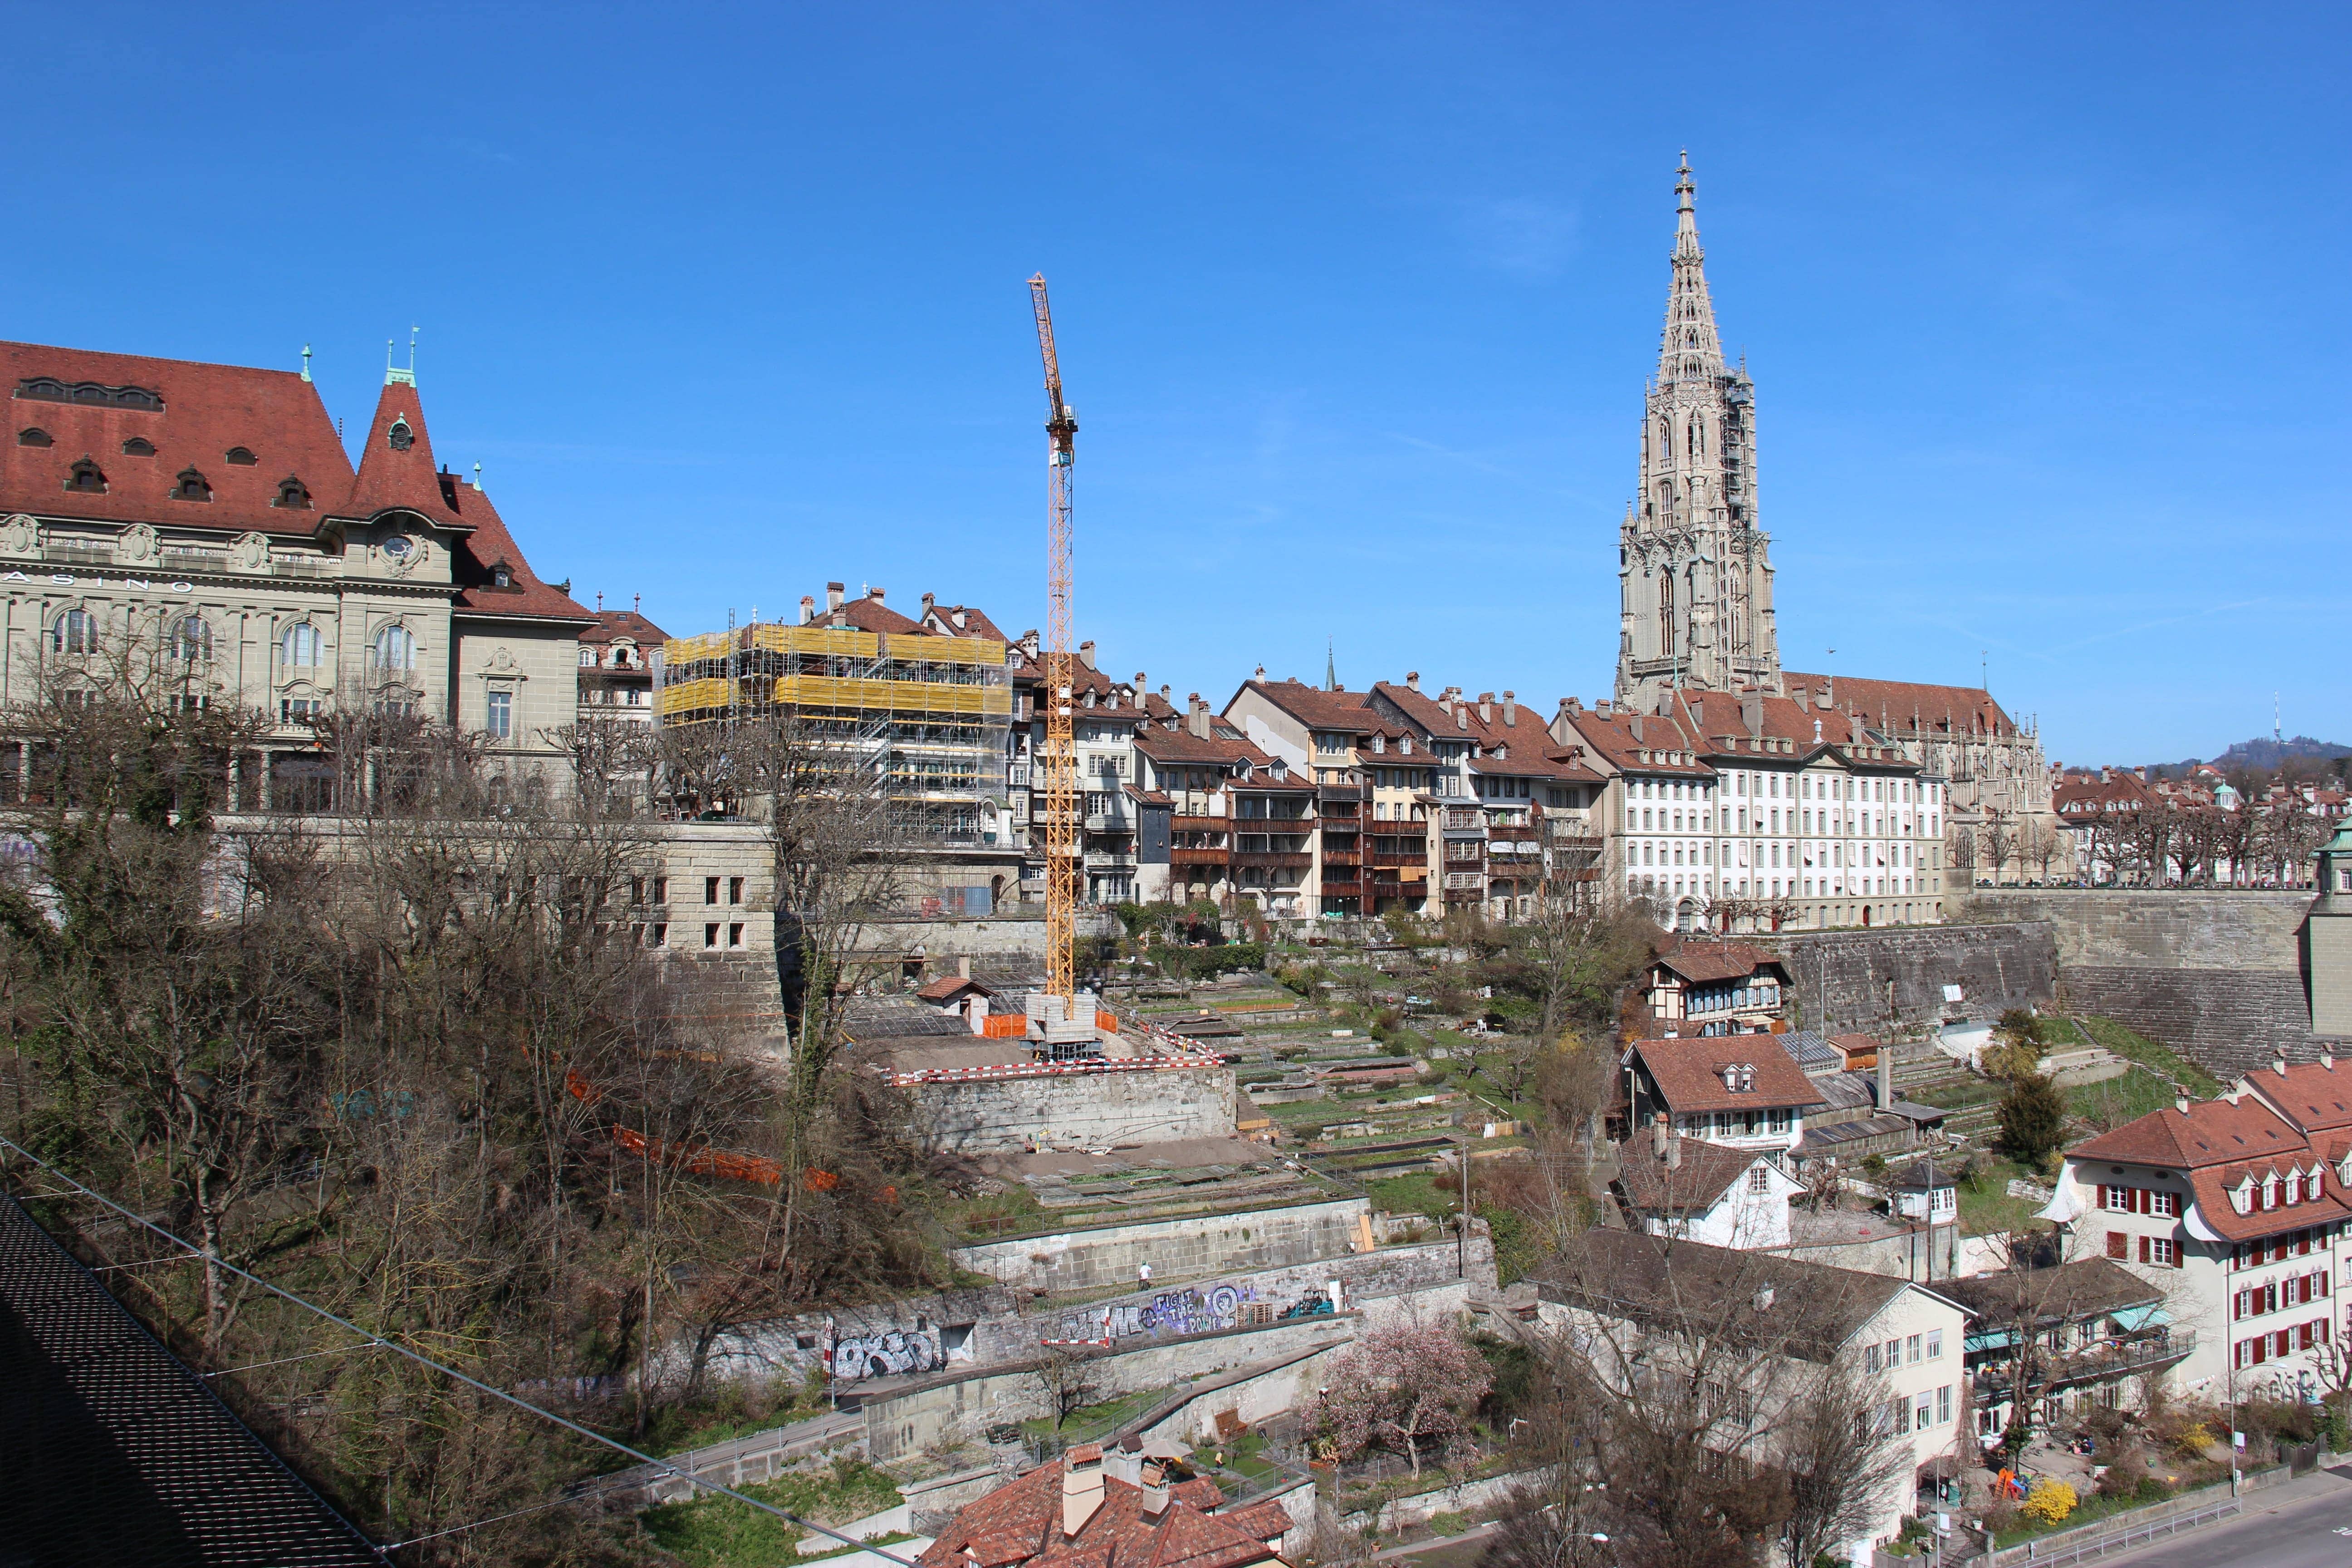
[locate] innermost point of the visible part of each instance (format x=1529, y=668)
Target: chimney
x=1886, y=1074
x=1751, y=711
x=1637, y=727
x=1803, y=696
x=1258, y=674
x=2327, y=1057
x=964, y=967
x=1826, y=699
x=1082, y=1488
x=1601, y=706
x=2278, y=1060
x=1412, y=680
x=1666, y=701
x=873, y=594
x=1817, y=731
x=2180, y=1100
x=1511, y=710
x=1199, y=721
x=1698, y=714
x=1486, y=707
x=1660, y=1136
x=1142, y=688
x=1155, y=1491
x=833, y=592
x=808, y=609
x=1085, y=650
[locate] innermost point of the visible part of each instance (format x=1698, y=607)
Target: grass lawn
x=1986, y=1207
x=1089, y=1421
x=720, y=1533
x=2109, y=1105
x=2163, y=1058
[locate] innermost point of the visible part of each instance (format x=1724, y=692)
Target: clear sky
x=2045, y=307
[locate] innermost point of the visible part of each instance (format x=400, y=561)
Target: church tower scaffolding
x=1696, y=570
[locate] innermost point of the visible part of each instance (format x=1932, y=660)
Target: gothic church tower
x=1696, y=570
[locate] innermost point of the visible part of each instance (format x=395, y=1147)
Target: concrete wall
x=1847, y=980
x=913, y=1416
x=2216, y=976
x=1223, y=1301
x=1191, y=1247
x=1086, y=1111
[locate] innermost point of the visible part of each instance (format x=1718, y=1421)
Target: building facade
x=204, y=521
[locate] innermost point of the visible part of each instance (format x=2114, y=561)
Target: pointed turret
x=396, y=465
x=1689, y=350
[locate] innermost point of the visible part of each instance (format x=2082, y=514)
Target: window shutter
x=2119, y=1244
x=2143, y=1249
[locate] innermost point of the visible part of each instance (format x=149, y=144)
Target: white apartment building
x=2237, y=1209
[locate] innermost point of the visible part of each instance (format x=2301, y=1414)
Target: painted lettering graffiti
x=1184, y=1312
x=879, y=1355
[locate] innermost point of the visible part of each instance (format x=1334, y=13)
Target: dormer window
x=190, y=485
x=139, y=446
x=399, y=437
x=2241, y=1197
x=33, y=437
x=292, y=492
x=86, y=478
x=2294, y=1187
x=501, y=576
x=241, y=455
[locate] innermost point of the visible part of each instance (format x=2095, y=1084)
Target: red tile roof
x=1690, y=1073
x=1706, y=1173
x=1699, y=958
x=1020, y=1522
x=474, y=561
x=208, y=410
x=392, y=476
x=612, y=624
x=1611, y=736
x=943, y=620
x=1904, y=704
x=1316, y=707
x=868, y=615
x=2216, y=1144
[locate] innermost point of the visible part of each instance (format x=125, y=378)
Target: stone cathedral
x=1696, y=568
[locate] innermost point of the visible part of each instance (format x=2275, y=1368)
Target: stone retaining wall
x=1090, y=1110
x=1191, y=1247
x=1854, y=981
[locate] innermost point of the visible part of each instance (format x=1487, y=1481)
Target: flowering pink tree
x=1401, y=1387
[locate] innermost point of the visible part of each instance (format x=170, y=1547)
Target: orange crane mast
x=1060, y=824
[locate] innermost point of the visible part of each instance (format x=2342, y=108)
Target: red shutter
x=2143, y=1249
x=2119, y=1244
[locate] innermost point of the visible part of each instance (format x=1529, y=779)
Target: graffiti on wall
x=1185, y=1311
x=880, y=1355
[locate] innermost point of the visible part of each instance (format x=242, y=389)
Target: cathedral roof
x=1905, y=705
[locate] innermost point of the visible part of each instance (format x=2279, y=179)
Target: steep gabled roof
x=1020, y=1523
x=1314, y=707
x=1939, y=710
x=1707, y=1172
x=613, y=624
x=396, y=466
x=474, y=562
x=1690, y=1073
x=200, y=412
x=1704, y=959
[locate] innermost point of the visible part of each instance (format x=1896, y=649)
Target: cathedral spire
x=1689, y=348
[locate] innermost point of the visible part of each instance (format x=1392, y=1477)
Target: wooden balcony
x=1199, y=857
x=1273, y=860
x=1409, y=858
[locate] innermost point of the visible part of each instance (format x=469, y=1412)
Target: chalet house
x=1713, y=985
x=1671, y=1186
x=1743, y=1092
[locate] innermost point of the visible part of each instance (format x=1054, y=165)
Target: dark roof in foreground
x=1673, y=1285
x=115, y=1452
x=2076, y=1289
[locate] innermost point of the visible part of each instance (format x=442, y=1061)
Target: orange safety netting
x=703, y=1161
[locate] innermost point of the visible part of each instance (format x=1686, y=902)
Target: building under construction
x=932, y=713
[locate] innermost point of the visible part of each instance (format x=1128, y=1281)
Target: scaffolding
x=932, y=713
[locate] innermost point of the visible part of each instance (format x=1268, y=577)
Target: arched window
x=190, y=485
x=241, y=455
x=139, y=446
x=76, y=631
x=394, y=648
x=587, y=659
x=1666, y=609
x=292, y=492
x=33, y=435
x=399, y=437
x=190, y=639
x=298, y=649
x=87, y=477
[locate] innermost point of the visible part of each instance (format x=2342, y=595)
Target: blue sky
x=2045, y=308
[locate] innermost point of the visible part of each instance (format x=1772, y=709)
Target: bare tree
x=2000, y=832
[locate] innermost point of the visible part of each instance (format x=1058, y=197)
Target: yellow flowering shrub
x=2050, y=1501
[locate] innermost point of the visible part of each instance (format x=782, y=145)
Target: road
x=2305, y=1524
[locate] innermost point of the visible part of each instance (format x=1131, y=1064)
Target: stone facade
x=1696, y=570
x=1086, y=1110
x=202, y=527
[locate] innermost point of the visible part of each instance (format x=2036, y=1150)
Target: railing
x=1273, y=858
x=2107, y=1360
x=2090, y=1543
x=1409, y=857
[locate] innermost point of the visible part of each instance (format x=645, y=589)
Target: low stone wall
x=1191, y=1247
x=1090, y=1110
x=1398, y=1512
x=1225, y=1300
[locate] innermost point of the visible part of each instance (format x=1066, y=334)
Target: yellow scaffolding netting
x=891, y=696
x=692, y=695
x=834, y=642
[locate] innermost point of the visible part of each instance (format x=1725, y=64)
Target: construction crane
x=1060, y=822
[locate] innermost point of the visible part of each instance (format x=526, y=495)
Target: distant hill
x=2262, y=751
